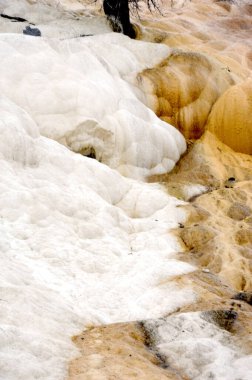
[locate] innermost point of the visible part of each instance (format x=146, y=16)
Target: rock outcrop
x=203, y=88
x=230, y=119
x=205, y=83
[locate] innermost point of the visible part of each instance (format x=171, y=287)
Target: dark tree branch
x=118, y=14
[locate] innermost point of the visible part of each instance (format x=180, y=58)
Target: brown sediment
x=182, y=90
x=118, y=351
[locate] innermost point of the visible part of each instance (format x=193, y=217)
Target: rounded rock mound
x=230, y=119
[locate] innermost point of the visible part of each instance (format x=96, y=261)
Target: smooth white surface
x=75, y=92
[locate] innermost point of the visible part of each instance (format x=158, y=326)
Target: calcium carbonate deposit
x=84, y=240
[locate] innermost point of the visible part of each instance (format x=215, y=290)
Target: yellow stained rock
x=117, y=352
x=231, y=120
x=211, y=56
x=183, y=89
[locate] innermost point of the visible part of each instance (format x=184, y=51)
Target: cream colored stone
x=231, y=120
x=122, y=355
x=218, y=232
x=209, y=67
